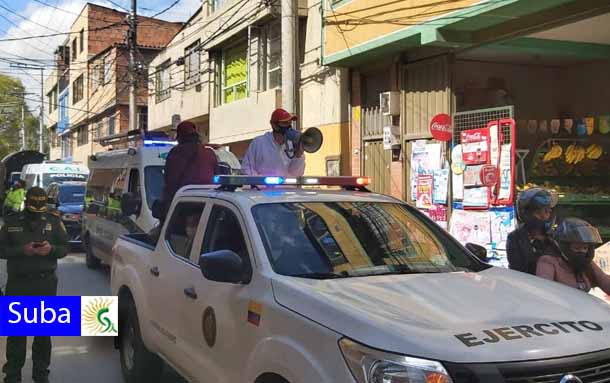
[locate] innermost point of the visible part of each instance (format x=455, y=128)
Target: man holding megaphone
x=281, y=151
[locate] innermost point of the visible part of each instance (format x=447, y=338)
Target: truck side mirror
x=222, y=266
x=130, y=204
x=478, y=251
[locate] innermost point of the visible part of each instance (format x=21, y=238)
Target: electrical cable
x=62, y=34
x=166, y=9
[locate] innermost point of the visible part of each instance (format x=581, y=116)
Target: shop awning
x=476, y=24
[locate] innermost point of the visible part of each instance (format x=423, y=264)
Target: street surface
x=79, y=359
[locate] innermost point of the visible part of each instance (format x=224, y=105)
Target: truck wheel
x=138, y=365
x=91, y=260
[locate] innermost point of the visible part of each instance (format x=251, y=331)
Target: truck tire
x=91, y=260
x=138, y=365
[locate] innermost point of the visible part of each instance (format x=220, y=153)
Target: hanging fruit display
x=553, y=154
x=594, y=151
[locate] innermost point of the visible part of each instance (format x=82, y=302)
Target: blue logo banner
x=59, y=316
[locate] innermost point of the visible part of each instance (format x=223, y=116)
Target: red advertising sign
x=440, y=127
x=489, y=175
x=475, y=146
x=425, y=183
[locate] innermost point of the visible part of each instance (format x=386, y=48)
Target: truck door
x=170, y=266
x=216, y=333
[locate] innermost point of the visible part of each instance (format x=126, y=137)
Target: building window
x=95, y=77
x=107, y=69
x=77, y=89
x=83, y=135
x=192, y=60
x=82, y=39
x=111, y=126
x=73, y=49
x=234, y=73
x=52, y=97
x=162, y=81
x=143, y=118
x=273, y=55
x=217, y=4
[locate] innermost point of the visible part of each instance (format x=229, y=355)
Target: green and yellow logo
x=99, y=317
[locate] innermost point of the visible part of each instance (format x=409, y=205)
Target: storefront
x=538, y=69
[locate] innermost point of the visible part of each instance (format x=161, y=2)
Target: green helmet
x=36, y=200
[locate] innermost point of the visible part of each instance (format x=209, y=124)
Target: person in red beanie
x=272, y=154
x=188, y=163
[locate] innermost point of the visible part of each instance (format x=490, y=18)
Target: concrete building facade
x=222, y=71
x=92, y=99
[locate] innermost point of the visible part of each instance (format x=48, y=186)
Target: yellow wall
x=360, y=21
x=315, y=163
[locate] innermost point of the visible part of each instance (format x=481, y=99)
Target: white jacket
x=266, y=157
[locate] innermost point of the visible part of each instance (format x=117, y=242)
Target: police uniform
x=30, y=275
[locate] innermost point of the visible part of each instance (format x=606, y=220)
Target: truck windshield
x=154, y=181
x=72, y=194
x=349, y=239
x=48, y=178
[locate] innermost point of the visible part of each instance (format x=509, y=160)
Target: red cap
x=186, y=128
x=280, y=115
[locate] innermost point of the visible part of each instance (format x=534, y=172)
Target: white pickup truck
x=308, y=285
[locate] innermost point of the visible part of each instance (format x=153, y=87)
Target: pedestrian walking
x=13, y=203
x=532, y=239
x=574, y=265
x=31, y=241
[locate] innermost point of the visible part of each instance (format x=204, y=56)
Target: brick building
x=88, y=92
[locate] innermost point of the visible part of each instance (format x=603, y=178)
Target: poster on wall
x=475, y=146
x=441, y=185
x=503, y=221
x=472, y=176
x=438, y=213
x=476, y=198
x=425, y=158
x=471, y=227
x=506, y=173
x=425, y=184
x=457, y=186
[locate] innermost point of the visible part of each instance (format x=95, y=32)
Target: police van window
x=183, y=227
x=134, y=181
x=225, y=233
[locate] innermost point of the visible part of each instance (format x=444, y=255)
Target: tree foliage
x=11, y=105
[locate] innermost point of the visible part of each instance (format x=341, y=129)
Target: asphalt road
x=80, y=359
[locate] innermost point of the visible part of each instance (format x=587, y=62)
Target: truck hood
x=497, y=315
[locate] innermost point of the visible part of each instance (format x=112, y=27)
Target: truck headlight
x=373, y=366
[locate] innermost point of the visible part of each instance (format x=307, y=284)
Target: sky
x=21, y=18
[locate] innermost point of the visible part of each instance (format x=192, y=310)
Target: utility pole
x=23, y=125
x=132, y=44
x=41, y=119
x=289, y=37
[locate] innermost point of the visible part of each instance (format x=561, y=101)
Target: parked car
x=68, y=199
x=307, y=285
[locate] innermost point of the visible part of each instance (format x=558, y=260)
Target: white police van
x=305, y=284
x=46, y=173
x=131, y=177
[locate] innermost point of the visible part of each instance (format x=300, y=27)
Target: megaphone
x=311, y=139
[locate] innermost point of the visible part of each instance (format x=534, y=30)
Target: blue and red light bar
x=289, y=181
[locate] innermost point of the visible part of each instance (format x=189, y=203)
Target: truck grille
x=597, y=373
x=589, y=368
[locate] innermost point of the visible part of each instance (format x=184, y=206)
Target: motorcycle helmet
x=531, y=200
x=576, y=231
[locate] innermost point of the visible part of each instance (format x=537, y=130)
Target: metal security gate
x=473, y=119
x=376, y=160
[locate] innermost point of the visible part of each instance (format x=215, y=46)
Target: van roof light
x=346, y=182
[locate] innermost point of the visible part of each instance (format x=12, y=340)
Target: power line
x=118, y=5
x=25, y=18
x=63, y=33
x=166, y=9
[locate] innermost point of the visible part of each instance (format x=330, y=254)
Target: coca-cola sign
x=440, y=127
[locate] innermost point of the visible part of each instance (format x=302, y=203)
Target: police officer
x=31, y=241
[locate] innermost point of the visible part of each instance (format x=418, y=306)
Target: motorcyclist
x=574, y=265
x=15, y=198
x=532, y=238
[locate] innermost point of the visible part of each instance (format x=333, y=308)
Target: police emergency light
x=297, y=181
